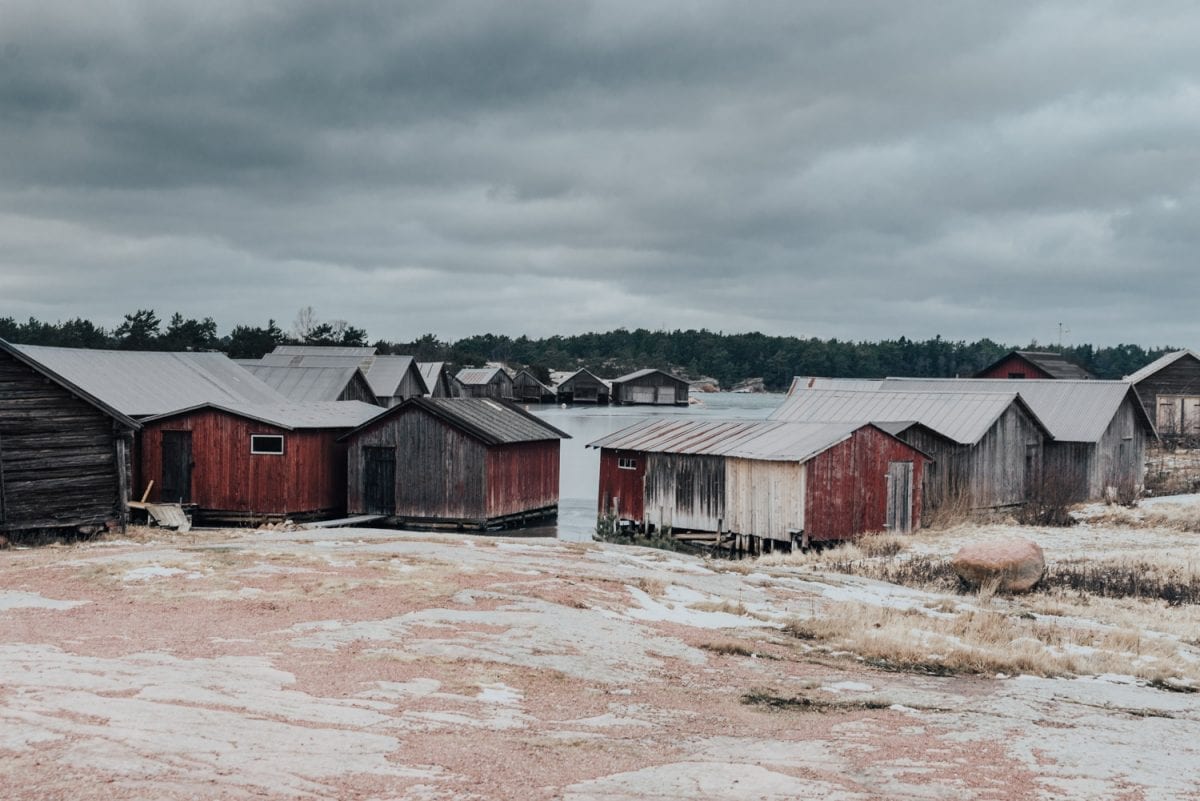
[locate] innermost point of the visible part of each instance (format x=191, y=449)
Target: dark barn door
x=379, y=480
x=176, y=467
x=1, y=480
x=899, y=500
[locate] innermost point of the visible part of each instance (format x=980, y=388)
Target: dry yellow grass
x=991, y=641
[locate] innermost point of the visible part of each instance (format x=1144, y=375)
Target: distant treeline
x=728, y=358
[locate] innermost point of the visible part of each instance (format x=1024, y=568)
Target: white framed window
x=266, y=444
x=626, y=463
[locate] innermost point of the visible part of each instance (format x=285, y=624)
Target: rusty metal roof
x=313, y=360
x=305, y=384
x=801, y=382
x=143, y=383
x=493, y=422
x=1071, y=410
x=763, y=440
x=291, y=416
x=964, y=417
x=387, y=372
x=1161, y=362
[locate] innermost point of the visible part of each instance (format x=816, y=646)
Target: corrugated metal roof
x=305, y=384
x=325, y=350
x=386, y=373
x=645, y=372
x=143, y=383
x=763, y=440
x=961, y=416
x=24, y=358
x=292, y=416
x=1153, y=367
x=801, y=382
x=476, y=376
x=311, y=360
x=1072, y=410
x=494, y=422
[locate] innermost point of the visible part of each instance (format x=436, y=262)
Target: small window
x=271, y=444
x=625, y=463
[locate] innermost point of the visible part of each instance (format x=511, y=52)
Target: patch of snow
x=849, y=686
x=151, y=572
x=15, y=599
x=652, y=611
x=498, y=694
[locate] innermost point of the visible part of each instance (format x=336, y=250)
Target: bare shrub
x=1050, y=504
x=954, y=510
x=727, y=647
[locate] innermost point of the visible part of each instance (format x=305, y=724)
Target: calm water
x=580, y=476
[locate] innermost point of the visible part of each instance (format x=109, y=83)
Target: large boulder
x=1017, y=564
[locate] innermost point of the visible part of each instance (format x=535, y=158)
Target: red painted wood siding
x=627, y=485
x=1012, y=366
x=846, y=493
x=522, y=477
x=309, y=476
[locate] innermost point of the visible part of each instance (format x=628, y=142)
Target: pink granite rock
x=1017, y=563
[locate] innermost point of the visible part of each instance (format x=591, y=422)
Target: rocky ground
x=364, y=664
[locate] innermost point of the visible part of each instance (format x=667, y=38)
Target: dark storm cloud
x=830, y=169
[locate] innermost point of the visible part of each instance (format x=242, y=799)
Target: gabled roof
x=1160, y=363
x=636, y=374
x=143, y=383
x=478, y=376
x=583, y=371
x=1052, y=364
x=964, y=417
x=325, y=350
x=387, y=372
x=1073, y=411
x=307, y=384
x=762, y=440
x=532, y=379
x=431, y=373
x=290, y=416
x=493, y=422
x=76, y=390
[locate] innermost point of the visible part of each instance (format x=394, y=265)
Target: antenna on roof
x=1062, y=331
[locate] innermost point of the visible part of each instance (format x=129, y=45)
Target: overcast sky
x=849, y=169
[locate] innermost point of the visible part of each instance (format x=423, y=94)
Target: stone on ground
x=1017, y=564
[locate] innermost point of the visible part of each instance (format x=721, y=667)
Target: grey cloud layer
x=831, y=169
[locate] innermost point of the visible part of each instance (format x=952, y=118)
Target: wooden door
x=1168, y=415
x=379, y=480
x=177, y=467
x=641, y=394
x=666, y=395
x=899, y=497
x=1189, y=414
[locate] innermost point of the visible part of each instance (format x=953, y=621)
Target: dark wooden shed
x=1169, y=391
x=437, y=380
x=1026, y=364
x=650, y=387
x=583, y=386
x=251, y=463
x=484, y=382
x=463, y=462
x=528, y=389
x=64, y=454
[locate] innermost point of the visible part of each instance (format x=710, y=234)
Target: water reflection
x=580, y=466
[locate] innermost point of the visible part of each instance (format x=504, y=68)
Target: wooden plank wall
x=309, y=477
x=1121, y=454
x=1004, y=464
x=764, y=498
x=685, y=492
x=847, y=486
x=440, y=471
x=1179, y=379
x=623, y=392
x=522, y=477
x=58, y=455
x=624, y=485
